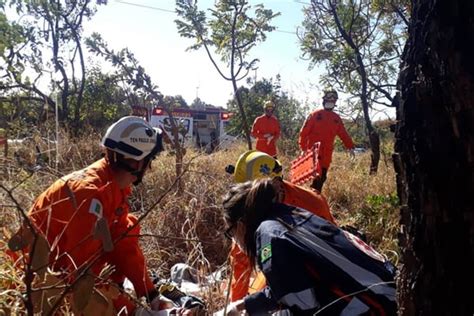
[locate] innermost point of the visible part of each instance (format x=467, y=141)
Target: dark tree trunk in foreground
x=435, y=160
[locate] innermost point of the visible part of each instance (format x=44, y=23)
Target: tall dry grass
x=368, y=202
x=187, y=227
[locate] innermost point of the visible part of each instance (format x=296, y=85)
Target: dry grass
x=368, y=202
x=187, y=227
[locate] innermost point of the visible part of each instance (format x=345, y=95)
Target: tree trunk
x=179, y=149
x=242, y=113
x=374, y=140
x=434, y=160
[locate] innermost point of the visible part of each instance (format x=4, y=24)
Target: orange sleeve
x=64, y=214
x=344, y=136
x=240, y=273
x=256, y=129
x=307, y=199
x=258, y=283
x=305, y=131
x=128, y=257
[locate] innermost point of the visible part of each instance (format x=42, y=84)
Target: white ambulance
x=203, y=128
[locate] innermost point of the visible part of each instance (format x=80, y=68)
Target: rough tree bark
x=434, y=160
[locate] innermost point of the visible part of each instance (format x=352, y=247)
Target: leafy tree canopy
x=337, y=34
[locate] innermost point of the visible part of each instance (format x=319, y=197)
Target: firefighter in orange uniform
x=253, y=165
x=266, y=130
x=85, y=217
x=323, y=126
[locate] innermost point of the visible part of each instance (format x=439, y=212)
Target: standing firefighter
x=252, y=165
x=84, y=217
x=266, y=130
x=323, y=126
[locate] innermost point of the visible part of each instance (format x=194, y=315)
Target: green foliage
x=337, y=34
x=128, y=69
x=358, y=132
x=377, y=203
x=104, y=100
x=19, y=116
x=378, y=215
x=176, y=101
x=232, y=28
x=10, y=35
x=45, y=42
x=199, y=104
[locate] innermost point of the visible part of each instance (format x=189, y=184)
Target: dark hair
x=251, y=203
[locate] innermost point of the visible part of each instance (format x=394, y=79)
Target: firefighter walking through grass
x=266, y=129
x=323, y=125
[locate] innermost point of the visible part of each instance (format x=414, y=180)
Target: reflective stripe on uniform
x=355, y=307
x=304, y=300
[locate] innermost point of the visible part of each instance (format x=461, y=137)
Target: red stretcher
x=306, y=167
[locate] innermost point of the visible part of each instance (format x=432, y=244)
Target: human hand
x=269, y=139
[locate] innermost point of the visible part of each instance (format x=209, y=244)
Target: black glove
x=230, y=169
x=179, y=298
x=190, y=302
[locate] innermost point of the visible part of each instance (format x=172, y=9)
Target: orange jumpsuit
x=266, y=125
x=241, y=269
x=67, y=214
x=323, y=126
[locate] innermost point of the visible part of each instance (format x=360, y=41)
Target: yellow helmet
x=255, y=164
x=269, y=104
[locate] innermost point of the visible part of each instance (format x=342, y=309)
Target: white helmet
x=133, y=137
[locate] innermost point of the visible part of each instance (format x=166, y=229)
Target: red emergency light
x=225, y=116
x=158, y=111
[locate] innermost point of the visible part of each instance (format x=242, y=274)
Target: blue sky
x=152, y=35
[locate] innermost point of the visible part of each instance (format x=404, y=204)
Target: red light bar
x=158, y=111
